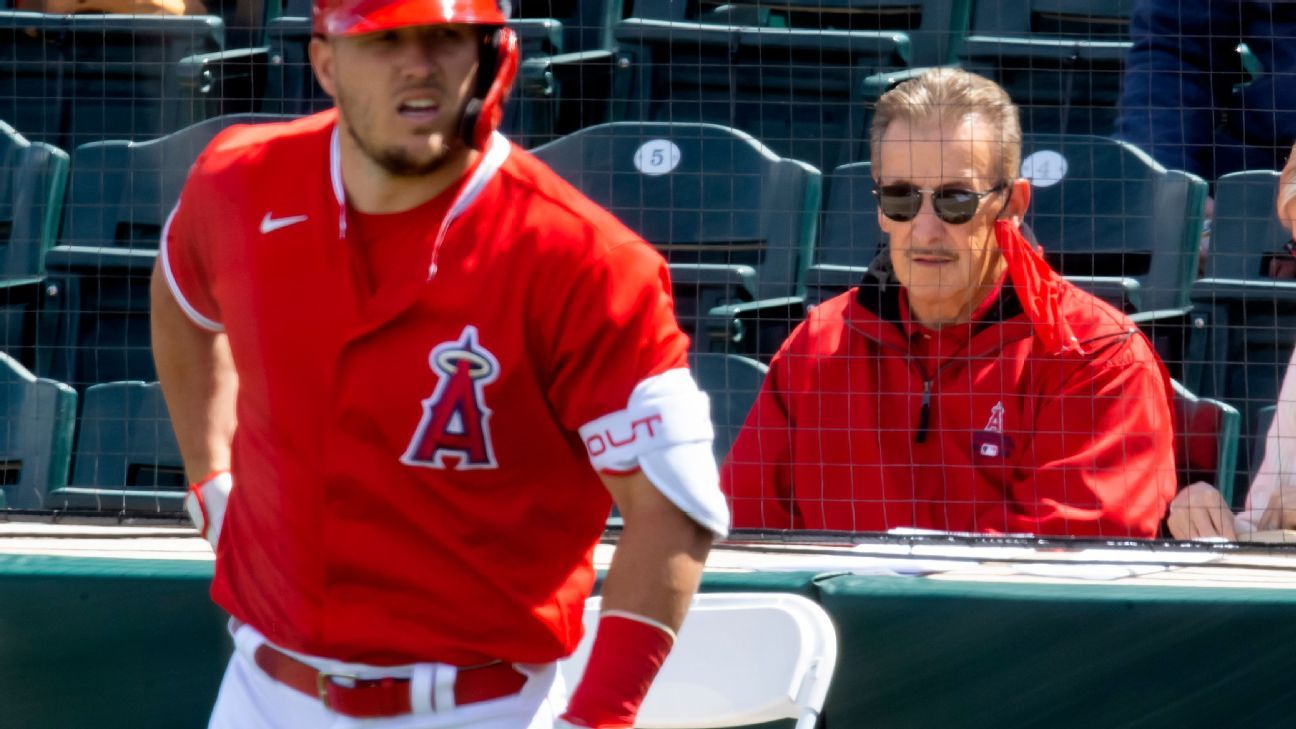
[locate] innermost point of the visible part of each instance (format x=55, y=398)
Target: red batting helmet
x=496, y=68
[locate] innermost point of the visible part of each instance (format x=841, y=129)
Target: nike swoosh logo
x=270, y=224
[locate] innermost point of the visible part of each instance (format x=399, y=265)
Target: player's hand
x=205, y=503
x=1287, y=195
x=1199, y=511
x=1280, y=513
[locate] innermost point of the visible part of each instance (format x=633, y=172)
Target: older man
x=963, y=385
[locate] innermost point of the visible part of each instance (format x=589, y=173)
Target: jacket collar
x=879, y=294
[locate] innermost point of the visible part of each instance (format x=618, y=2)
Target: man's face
x=401, y=93
x=946, y=268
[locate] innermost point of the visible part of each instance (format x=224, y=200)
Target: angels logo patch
x=992, y=444
x=455, y=430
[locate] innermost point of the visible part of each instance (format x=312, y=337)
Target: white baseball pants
x=249, y=699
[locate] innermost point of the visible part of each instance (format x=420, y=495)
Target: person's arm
x=1101, y=459
x=654, y=573
x=198, y=380
x=1166, y=105
x=1198, y=511
x=1287, y=194
x=200, y=385
x=1271, y=500
x=659, y=557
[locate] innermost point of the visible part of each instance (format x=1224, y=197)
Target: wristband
x=205, y=503
x=628, y=651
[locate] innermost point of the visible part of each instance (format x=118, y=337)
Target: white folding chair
x=741, y=658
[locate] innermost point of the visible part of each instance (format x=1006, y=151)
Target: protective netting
x=842, y=276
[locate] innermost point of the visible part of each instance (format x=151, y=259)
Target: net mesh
x=866, y=372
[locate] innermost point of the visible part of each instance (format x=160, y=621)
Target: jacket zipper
x=924, y=410
x=924, y=413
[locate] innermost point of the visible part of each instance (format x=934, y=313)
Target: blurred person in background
x=1182, y=97
x=963, y=385
x=1186, y=98
x=1199, y=510
x=114, y=7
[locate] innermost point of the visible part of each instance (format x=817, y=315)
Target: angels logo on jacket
x=455, y=430
x=991, y=443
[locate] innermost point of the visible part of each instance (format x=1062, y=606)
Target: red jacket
x=1016, y=440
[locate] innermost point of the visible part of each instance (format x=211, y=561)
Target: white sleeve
x=665, y=430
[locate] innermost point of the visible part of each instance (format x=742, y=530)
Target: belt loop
x=443, y=679
x=420, y=687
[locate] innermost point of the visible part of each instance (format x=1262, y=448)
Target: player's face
x=946, y=268
x=401, y=93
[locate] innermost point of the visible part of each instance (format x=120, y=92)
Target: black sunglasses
x=954, y=204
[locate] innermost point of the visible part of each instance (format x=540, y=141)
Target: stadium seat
x=126, y=457
x=33, y=176
x=735, y=222
x=38, y=417
x=584, y=25
x=732, y=383
x=95, y=310
x=798, y=89
x=1060, y=60
x=1244, y=320
x=1206, y=440
x=1113, y=220
x=741, y=658
x=72, y=79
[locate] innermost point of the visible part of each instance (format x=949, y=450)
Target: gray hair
x=944, y=94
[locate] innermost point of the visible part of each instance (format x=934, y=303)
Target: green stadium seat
x=126, y=457
x=94, y=315
x=35, y=435
x=735, y=222
x=33, y=176
x=72, y=79
x=584, y=25
x=732, y=382
x=1060, y=60
x=799, y=90
x=1206, y=440
x=569, y=86
x=1243, y=321
x=1104, y=212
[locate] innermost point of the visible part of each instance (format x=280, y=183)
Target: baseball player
x=441, y=360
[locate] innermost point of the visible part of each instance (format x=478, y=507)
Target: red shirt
x=409, y=482
x=385, y=254
x=852, y=432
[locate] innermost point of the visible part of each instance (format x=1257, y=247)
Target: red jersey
x=866, y=424
x=409, y=482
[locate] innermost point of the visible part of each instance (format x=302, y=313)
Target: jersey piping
x=496, y=153
x=188, y=308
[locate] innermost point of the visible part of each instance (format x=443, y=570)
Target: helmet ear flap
x=496, y=70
